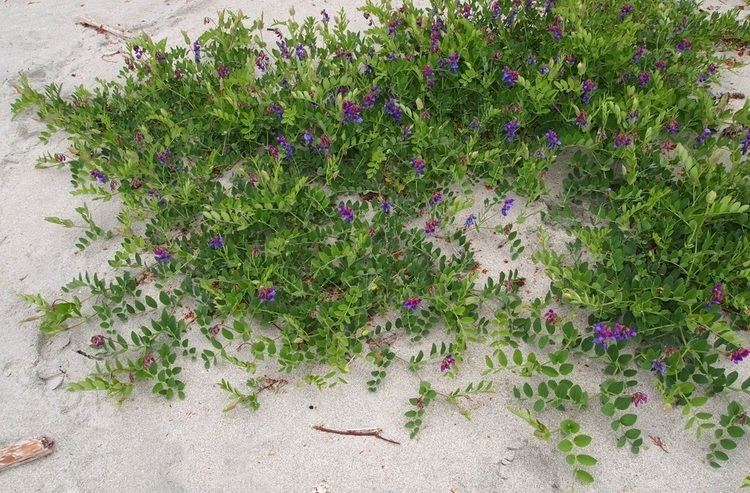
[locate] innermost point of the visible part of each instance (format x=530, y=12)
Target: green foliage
x=272, y=197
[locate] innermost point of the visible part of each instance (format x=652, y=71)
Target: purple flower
x=276, y=109
x=660, y=65
x=164, y=156
x=301, y=53
x=266, y=294
x=431, y=226
x=644, y=78
x=551, y=317
x=98, y=176
x=510, y=77
x=447, y=363
x=555, y=30
x=369, y=100
x=137, y=51
x=273, y=151
x=418, y=165
x=745, y=143
x=684, y=45
x=197, y=51
x=659, y=366
x=587, y=88
x=672, y=126
x=625, y=11
x=700, y=139
x=582, y=119
x=465, y=10
x=640, y=50
x=222, y=71
x=453, y=61
x=325, y=143
x=507, y=205
x=393, y=25
x=470, y=221
x=604, y=334
x=325, y=16
x=392, y=109
x=288, y=148
x=307, y=137
x=436, y=198
x=386, y=206
x=413, y=304
x=717, y=294
x=352, y=112
x=510, y=129
x=262, y=61
x=622, y=140
x=97, y=341
x=738, y=355
x=162, y=255
x=216, y=242
x=543, y=69
x=639, y=398
x=553, y=140
x=392, y=57
x=429, y=74
x=346, y=213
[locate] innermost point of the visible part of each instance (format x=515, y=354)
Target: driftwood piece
x=360, y=432
x=24, y=451
x=103, y=28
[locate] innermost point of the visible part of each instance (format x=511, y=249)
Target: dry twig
x=361, y=432
x=103, y=28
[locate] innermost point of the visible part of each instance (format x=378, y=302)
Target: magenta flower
x=368, y=101
x=222, y=71
x=717, y=294
x=413, y=304
x=644, y=78
x=266, y=294
x=622, y=140
x=447, y=363
x=418, y=165
x=672, y=126
x=738, y=355
x=431, y=226
x=639, y=398
x=660, y=65
x=162, y=255
x=97, y=341
x=582, y=119
x=436, y=198
x=625, y=11
x=551, y=317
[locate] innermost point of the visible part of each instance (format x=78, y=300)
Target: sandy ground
x=151, y=444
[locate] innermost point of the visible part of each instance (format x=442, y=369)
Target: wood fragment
x=360, y=432
x=103, y=28
x=24, y=451
x=657, y=441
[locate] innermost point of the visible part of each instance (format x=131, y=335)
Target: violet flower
x=266, y=294
x=738, y=355
x=346, y=213
x=162, y=255
x=507, y=205
x=216, y=242
x=447, y=363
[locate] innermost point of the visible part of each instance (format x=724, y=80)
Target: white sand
x=153, y=445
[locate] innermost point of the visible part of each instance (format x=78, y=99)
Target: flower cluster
x=510, y=77
x=510, y=129
x=352, y=112
x=393, y=110
x=507, y=204
x=605, y=334
x=346, y=213
x=587, y=88
x=162, y=255
x=266, y=294
x=216, y=242
x=418, y=165
x=447, y=363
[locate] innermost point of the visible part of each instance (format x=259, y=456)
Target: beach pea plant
x=296, y=194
